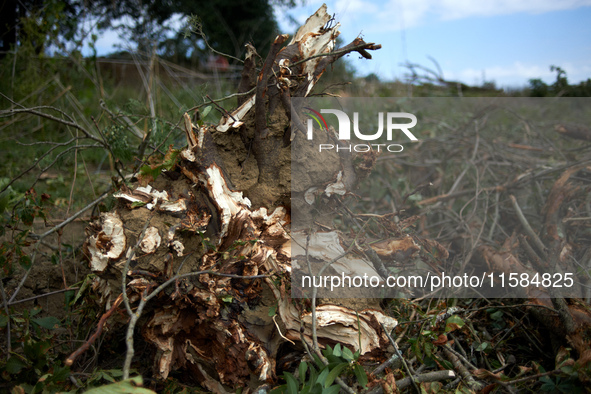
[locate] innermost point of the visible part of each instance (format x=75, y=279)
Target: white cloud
x=108, y=42
x=397, y=14
x=379, y=19
x=393, y=15
x=457, y=9
x=409, y=12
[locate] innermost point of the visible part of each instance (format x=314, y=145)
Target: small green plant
x=567, y=374
x=16, y=227
x=149, y=172
x=319, y=378
x=117, y=138
x=560, y=384
x=31, y=359
x=130, y=386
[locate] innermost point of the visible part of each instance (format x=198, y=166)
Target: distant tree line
x=560, y=87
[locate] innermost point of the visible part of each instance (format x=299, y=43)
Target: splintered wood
x=219, y=328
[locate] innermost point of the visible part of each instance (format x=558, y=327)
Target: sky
x=505, y=41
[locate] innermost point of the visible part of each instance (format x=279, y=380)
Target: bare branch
x=361, y=48
x=34, y=111
x=71, y=218
x=43, y=295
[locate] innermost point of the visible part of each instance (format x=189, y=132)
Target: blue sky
x=504, y=41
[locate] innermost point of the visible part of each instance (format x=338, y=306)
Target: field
x=494, y=185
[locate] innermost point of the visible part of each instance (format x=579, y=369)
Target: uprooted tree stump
x=201, y=255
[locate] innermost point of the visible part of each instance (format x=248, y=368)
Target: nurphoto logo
x=392, y=126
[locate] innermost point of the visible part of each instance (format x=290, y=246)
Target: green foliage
x=567, y=376
x=319, y=378
x=560, y=385
x=117, y=138
x=18, y=223
x=560, y=87
x=9, y=197
x=100, y=376
x=38, y=349
x=34, y=361
x=31, y=360
x=229, y=24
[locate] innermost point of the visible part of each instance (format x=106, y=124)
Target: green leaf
x=25, y=262
x=60, y=374
x=148, y=174
x=453, y=322
x=332, y=390
x=482, y=347
x=567, y=369
x=279, y=390
x=128, y=386
x=3, y=321
x=69, y=297
x=4, y=199
x=335, y=373
x=49, y=322
x=108, y=377
x=35, y=311
x=302, y=371
x=445, y=364
x=115, y=372
x=170, y=158
x=43, y=381
x=313, y=377
x=205, y=111
x=316, y=389
x=498, y=315
x=337, y=350
x=360, y=375
x=14, y=365
x=273, y=310
x=36, y=352
x=85, y=284
x=332, y=359
x=138, y=204
x=348, y=354
x=292, y=383
x=318, y=361
x=322, y=377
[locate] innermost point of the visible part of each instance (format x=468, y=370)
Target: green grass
x=77, y=86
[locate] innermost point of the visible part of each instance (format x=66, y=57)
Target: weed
x=316, y=377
